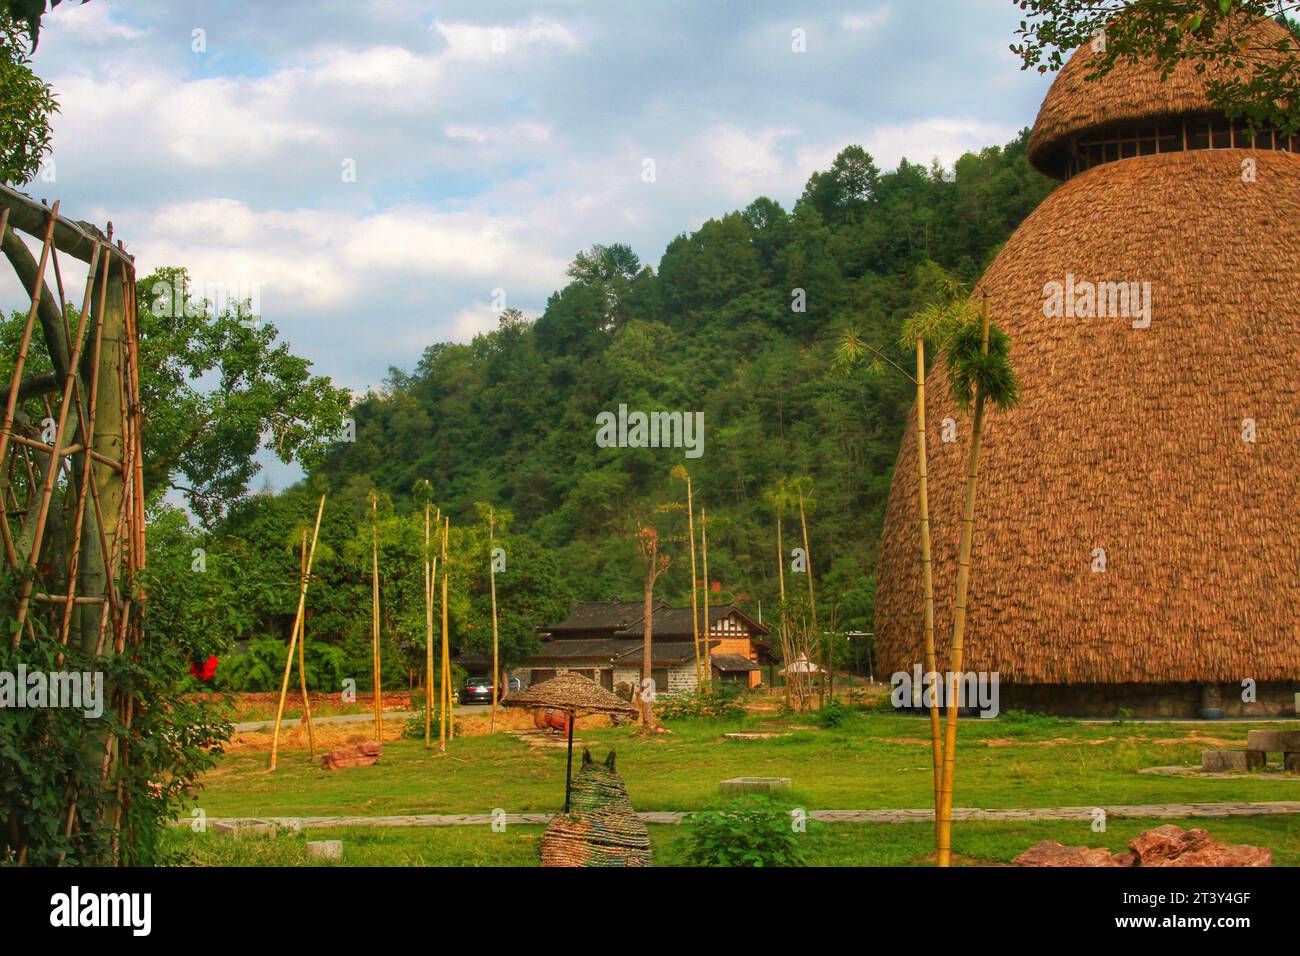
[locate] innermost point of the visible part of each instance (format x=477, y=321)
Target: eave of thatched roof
x=570, y=691
x=1130, y=93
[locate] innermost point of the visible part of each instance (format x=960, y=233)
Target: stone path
x=1154, y=811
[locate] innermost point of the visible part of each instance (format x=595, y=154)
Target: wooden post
x=429, y=572
x=568, y=770
x=297, y=623
x=302, y=654
x=695, y=584
x=704, y=548
x=377, y=665
x=496, y=665
x=444, y=717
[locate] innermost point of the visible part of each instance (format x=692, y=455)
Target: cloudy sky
x=375, y=169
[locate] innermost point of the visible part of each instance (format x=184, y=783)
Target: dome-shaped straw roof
x=1130, y=93
x=1128, y=440
x=570, y=690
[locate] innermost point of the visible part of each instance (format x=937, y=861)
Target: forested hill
x=739, y=321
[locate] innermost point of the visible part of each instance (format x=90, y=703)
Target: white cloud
x=466, y=41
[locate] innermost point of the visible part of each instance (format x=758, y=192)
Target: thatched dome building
x=1138, y=528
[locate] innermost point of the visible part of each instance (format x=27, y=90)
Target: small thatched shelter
x=1137, y=528
x=576, y=695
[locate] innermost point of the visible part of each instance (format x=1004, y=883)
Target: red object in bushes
x=205, y=670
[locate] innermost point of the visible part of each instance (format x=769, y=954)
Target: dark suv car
x=478, y=690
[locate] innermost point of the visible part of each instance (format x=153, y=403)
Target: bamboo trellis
x=71, y=472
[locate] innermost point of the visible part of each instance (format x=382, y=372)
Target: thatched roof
x=1129, y=440
x=570, y=690
x=1130, y=93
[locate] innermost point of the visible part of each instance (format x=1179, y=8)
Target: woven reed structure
x=601, y=828
x=1137, y=528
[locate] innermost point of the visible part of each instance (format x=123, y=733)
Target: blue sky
x=491, y=140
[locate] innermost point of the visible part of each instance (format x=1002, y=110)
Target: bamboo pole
x=377, y=663
x=429, y=572
x=704, y=548
x=302, y=656
x=496, y=666
x=444, y=718
x=695, y=600
x=812, y=604
x=288, y=660
x=927, y=577
x=785, y=636
x=959, y=614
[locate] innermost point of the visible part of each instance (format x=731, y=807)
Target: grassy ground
x=874, y=760
x=841, y=844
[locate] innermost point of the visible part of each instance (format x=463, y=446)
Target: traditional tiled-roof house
x=603, y=641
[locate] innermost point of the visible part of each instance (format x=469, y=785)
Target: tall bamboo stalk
x=785, y=634
x=297, y=623
x=927, y=576
x=374, y=616
x=959, y=613
x=496, y=664
x=812, y=603
x=430, y=566
x=695, y=597
x=444, y=717
x=302, y=656
x=704, y=548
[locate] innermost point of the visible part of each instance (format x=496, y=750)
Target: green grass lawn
x=841, y=844
x=874, y=760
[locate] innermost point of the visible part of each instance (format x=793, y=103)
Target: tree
x=28, y=105
x=28, y=13
x=203, y=440
x=655, y=565
x=1247, y=74
x=947, y=308
x=978, y=363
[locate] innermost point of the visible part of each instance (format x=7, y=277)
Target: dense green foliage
x=740, y=321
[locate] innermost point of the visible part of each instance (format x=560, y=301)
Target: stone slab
x=1232, y=761
x=328, y=850
x=742, y=785
x=1291, y=763
x=1274, y=741
x=242, y=829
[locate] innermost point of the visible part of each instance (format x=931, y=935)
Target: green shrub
x=714, y=702
x=754, y=831
x=834, y=714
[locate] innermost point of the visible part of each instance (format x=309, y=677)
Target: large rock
x=362, y=755
x=1167, y=845
x=1274, y=741
x=1049, y=853
x=1232, y=761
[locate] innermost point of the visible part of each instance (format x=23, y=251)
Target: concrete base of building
x=1183, y=701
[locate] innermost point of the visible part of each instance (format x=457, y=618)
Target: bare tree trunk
x=812, y=606
x=377, y=666
x=647, y=649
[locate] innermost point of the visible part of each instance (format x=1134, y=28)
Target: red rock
x=362, y=755
x=1218, y=855
x=1166, y=842
x=1050, y=853
x=1163, y=846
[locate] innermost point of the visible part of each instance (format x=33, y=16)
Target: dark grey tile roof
x=733, y=662
x=603, y=615
x=676, y=622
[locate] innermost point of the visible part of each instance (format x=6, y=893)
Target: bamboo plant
x=979, y=372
